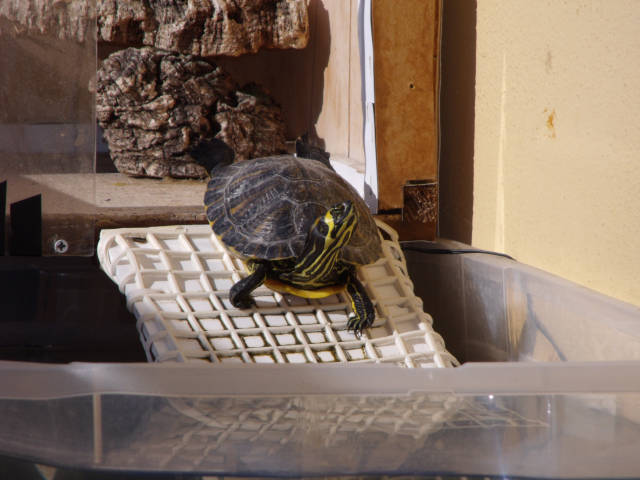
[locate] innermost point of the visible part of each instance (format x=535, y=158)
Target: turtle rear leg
x=240, y=293
x=365, y=314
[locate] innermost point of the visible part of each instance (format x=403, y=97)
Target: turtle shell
x=264, y=208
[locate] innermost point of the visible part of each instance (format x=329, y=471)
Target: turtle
x=299, y=228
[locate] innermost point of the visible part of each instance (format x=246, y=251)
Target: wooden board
x=319, y=87
x=76, y=206
x=405, y=41
x=356, y=86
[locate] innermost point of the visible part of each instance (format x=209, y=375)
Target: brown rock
x=205, y=27
x=62, y=19
x=198, y=27
x=156, y=106
x=252, y=127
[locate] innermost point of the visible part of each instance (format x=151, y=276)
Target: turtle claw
x=240, y=300
x=357, y=324
x=363, y=312
x=242, y=303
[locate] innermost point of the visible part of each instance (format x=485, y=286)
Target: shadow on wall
x=457, y=117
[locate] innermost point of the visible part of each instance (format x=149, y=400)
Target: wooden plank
x=76, y=206
x=405, y=37
x=333, y=118
x=319, y=87
x=356, y=117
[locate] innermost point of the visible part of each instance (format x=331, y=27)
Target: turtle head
x=333, y=229
x=328, y=234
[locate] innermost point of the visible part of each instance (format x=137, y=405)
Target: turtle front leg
x=240, y=293
x=365, y=314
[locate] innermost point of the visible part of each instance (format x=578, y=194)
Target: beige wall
x=557, y=138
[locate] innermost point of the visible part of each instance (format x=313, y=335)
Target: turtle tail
x=211, y=153
x=308, y=148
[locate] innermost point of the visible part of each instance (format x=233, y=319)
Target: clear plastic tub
x=490, y=308
x=551, y=404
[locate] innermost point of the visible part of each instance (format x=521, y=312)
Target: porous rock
x=205, y=27
x=156, y=106
x=199, y=27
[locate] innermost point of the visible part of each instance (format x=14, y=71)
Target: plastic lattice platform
x=177, y=279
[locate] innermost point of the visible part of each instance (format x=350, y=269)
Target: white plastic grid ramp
x=177, y=278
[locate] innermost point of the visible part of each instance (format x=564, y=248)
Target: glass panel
x=47, y=127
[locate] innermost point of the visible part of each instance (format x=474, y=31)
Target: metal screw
x=60, y=246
